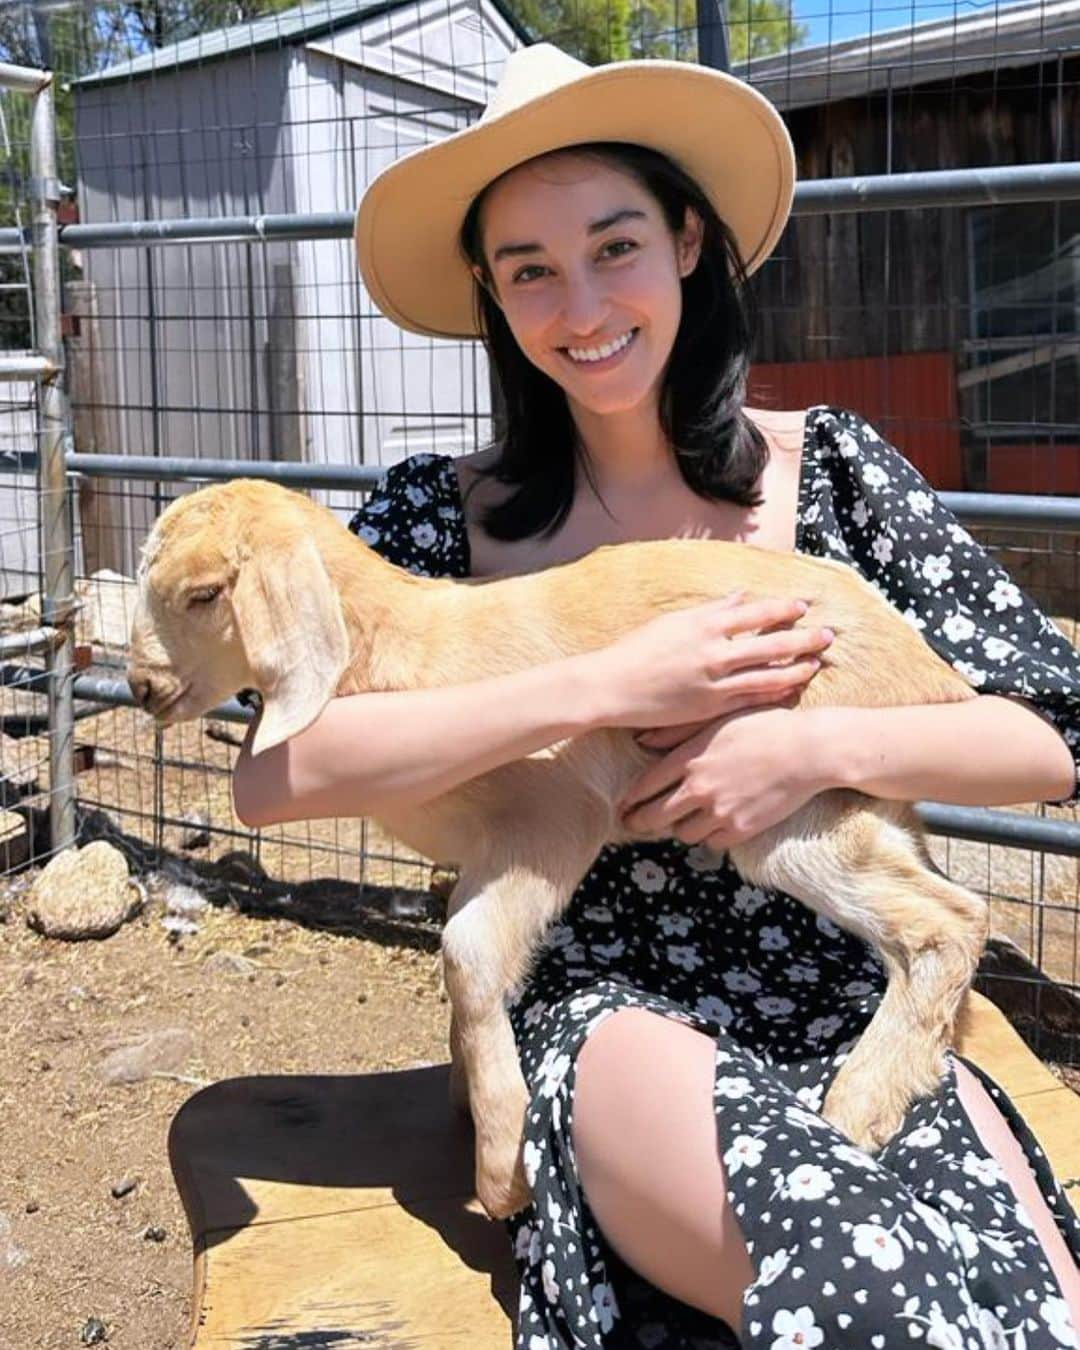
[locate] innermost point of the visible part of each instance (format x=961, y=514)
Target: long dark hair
x=719, y=452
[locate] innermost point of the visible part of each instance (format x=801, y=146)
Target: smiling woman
x=681, y=1028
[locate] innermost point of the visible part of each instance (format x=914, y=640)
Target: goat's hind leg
x=498, y=916
x=867, y=870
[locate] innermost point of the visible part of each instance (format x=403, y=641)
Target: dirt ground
x=302, y=960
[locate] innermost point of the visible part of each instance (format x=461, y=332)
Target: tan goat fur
x=249, y=585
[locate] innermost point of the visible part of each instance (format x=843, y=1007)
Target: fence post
x=58, y=606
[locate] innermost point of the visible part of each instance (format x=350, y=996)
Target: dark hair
x=719, y=452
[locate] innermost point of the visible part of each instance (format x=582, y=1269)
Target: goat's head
x=234, y=594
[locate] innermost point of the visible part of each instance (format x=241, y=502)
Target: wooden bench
x=338, y=1211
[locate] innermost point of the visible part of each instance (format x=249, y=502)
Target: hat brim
x=728, y=137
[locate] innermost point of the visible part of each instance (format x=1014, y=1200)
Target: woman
x=680, y=1028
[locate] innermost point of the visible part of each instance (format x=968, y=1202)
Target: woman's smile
x=603, y=355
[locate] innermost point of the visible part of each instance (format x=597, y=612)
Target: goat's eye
x=202, y=595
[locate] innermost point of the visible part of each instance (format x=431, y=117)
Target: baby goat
x=250, y=585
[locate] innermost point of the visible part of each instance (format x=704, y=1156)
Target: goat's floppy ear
x=289, y=620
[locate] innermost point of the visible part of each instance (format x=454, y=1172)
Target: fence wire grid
x=951, y=322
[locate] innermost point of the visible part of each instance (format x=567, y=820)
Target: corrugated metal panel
x=991, y=38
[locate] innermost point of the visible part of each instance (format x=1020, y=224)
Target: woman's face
x=587, y=274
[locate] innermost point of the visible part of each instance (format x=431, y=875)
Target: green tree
x=614, y=30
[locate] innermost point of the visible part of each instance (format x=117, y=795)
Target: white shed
x=274, y=351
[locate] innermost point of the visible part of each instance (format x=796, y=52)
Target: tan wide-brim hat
x=724, y=134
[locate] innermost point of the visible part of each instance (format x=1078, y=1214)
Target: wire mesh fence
x=949, y=316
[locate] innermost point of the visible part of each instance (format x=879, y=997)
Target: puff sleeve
x=414, y=518
x=865, y=504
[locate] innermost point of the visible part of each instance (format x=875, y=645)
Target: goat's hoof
x=503, y=1194
x=867, y=1122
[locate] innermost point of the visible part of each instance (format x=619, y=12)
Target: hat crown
x=530, y=73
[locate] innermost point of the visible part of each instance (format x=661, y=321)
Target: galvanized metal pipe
x=870, y=192
x=23, y=79
x=26, y=368
x=59, y=602
x=170, y=467
x=29, y=640
x=1037, y=513
x=1010, y=828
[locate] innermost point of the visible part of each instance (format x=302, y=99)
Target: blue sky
x=835, y=20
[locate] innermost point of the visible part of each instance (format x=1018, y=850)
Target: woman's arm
x=367, y=752
x=987, y=751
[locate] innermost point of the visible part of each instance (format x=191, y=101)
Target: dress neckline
x=801, y=498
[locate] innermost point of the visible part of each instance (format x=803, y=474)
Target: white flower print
x=799, y=1115
x=773, y=1006
x=418, y=496
x=941, y=1334
x=950, y=1198
x=773, y=939
x=531, y=1158
x=803, y=974
x=1004, y=595
x=856, y=1157
x=1054, y=1312
x=772, y=1265
x=987, y=1171
x=969, y=1243
x=733, y=1088
x=534, y=1012
x=882, y=549
x=604, y=1306
x=369, y=534
x=674, y=925
x=936, y=1222
x=553, y=1069
x=811, y=1096
x=539, y=1343
x=559, y=935
x=991, y=1330
x=551, y=1284
x=921, y=503
x=523, y=1241
x=936, y=568
x=870, y=1239
x=821, y=1028
x=686, y=958
x=858, y=988
x=598, y=914
x=796, y=1330
x=380, y=505
x=648, y=876
x=958, y=628
x=741, y=982
x=875, y=476
x=997, y=649
x=913, y=619
x=748, y=900
x=847, y=445
x=808, y=1182
x=608, y=951
x=583, y=1004
x=826, y=926
x=925, y=1136
x=714, y=1010
x=999, y=1244
x=745, y=1151
x=424, y=535
x=974, y=676
x=860, y=513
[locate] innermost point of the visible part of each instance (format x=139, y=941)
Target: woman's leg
x=1000, y=1142
x=644, y=1131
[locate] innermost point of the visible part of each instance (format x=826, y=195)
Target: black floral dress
x=924, y=1243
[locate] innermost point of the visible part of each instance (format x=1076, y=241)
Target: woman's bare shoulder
x=784, y=429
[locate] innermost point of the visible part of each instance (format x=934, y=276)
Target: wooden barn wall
x=874, y=284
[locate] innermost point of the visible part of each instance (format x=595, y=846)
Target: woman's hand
x=730, y=780
x=694, y=665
